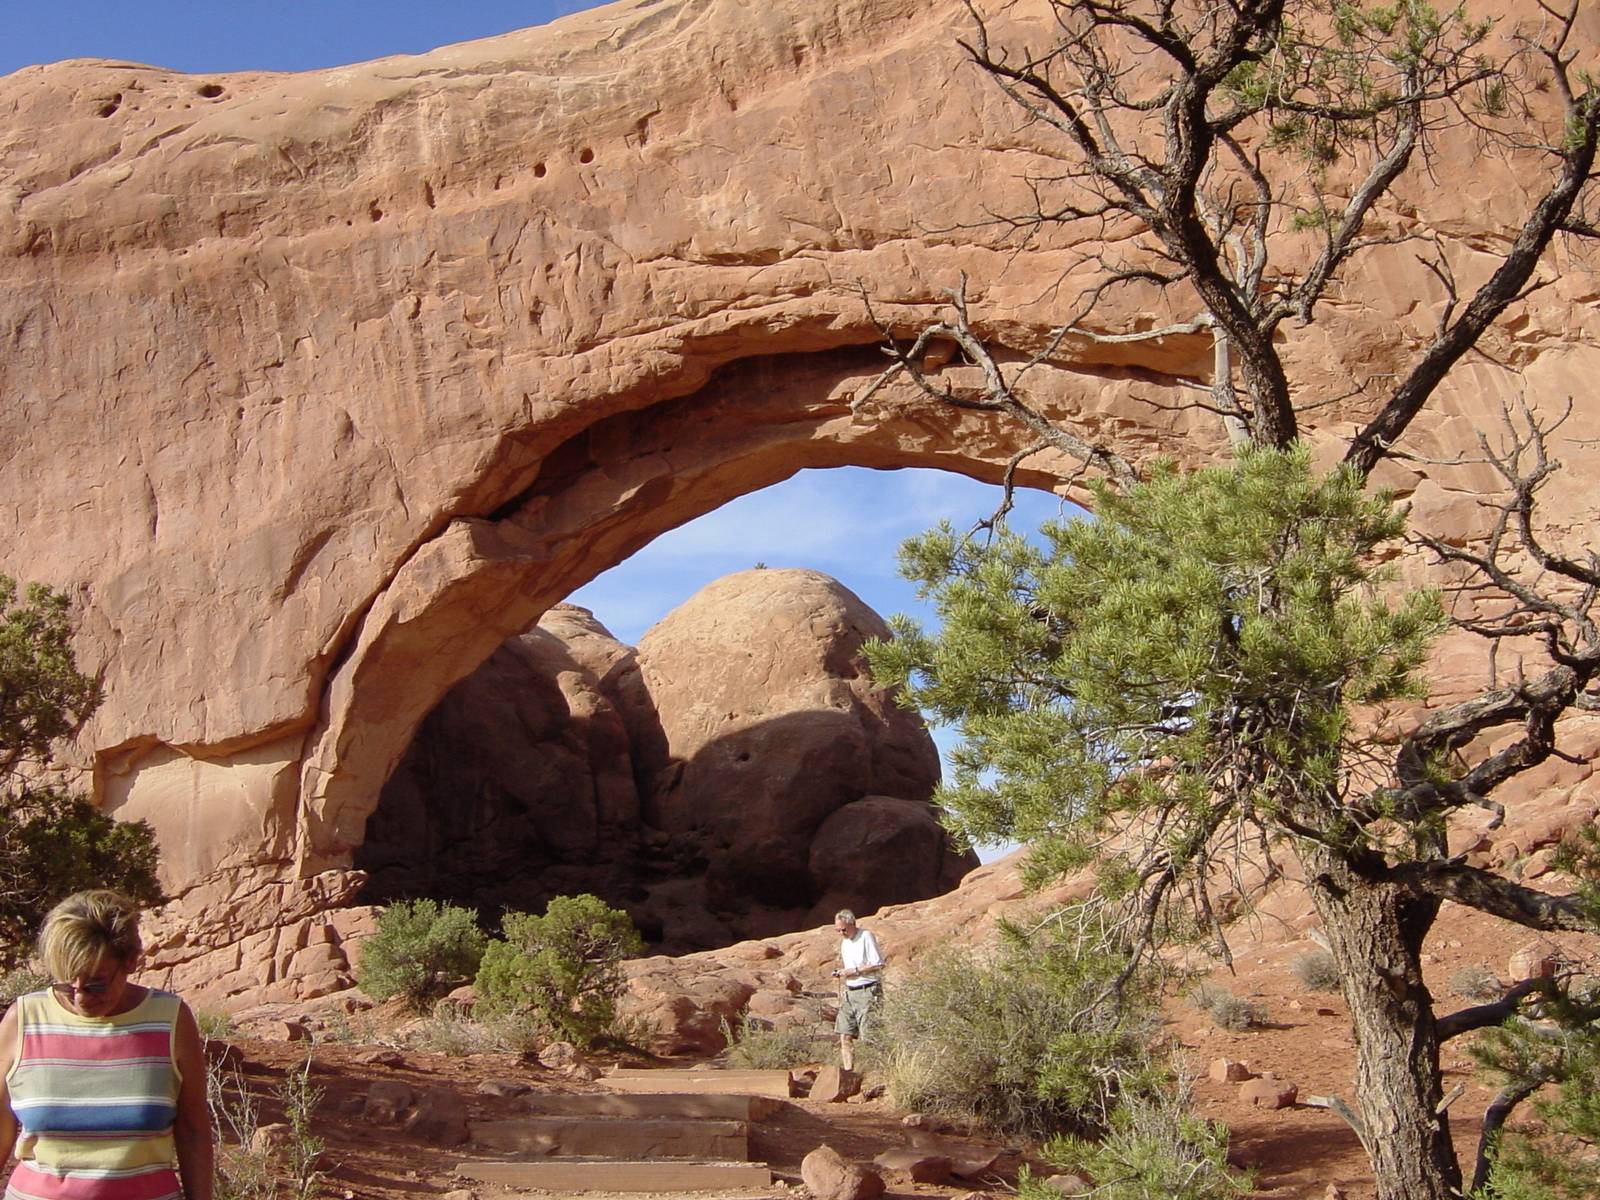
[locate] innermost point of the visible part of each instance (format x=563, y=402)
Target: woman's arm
x=10, y=1034
x=192, y=1132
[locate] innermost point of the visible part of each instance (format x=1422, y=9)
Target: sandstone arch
x=316, y=387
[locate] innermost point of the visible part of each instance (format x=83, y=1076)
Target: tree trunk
x=1375, y=933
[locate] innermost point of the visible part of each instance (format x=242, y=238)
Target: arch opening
x=716, y=764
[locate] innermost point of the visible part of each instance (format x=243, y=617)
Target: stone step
x=616, y=1137
x=711, y=1105
x=619, y=1176
x=778, y=1085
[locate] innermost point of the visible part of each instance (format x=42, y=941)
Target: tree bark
x=1375, y=933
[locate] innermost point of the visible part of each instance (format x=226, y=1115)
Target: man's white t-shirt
x=860, y=951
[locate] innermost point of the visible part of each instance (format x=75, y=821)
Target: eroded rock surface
x=319, y=387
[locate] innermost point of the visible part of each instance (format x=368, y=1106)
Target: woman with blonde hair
x=104, y=1081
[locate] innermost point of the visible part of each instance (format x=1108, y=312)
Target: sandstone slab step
x=619, y=1176
x=778, y=1085
x=710, y=1105
x=616, y=1137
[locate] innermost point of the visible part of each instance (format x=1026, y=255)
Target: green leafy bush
x=52, y=843
x=1028, y=1040
x=1549, y=1057
x=421, y=951
x=565, y=966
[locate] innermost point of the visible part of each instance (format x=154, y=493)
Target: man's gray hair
x=845, y=915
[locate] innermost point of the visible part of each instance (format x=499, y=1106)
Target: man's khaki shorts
x=856, y=1009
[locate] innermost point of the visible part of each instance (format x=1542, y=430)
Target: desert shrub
x=449, y=1030
x=421, y=951
x=51, y=843
x=1226, y=1010
x=1476, y=982
x=1027, y=1039
x=341, y=1028
x=244, y=1171
x=248, y=1171
x=19, y=981
x=1155, y=1147
x=1317, y=970
x=1547, y=1148
x=565, y=967
x=300, y=1156
x=757, y=1047
x=214, y=1026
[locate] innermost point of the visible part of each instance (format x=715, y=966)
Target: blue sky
x=289, y=35
x=854, y=519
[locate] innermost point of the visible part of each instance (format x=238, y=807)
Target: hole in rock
x=586, y=155
x=694, y=737
x=209, y=90
x=110, y=106
x=539, y=170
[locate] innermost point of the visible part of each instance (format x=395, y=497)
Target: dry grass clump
x=449, y=1030
x=1226, y=1010
x=757, y=1046
x=1476, y=982
x=1317, y=970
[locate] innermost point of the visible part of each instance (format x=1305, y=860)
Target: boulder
x=440, y=1119
x=560, y=1056
x=1225, y=1070
x=834, y=1084
x=753, y=721
x=828, y=1175
x=517, y=787
x=1068, y=1184
x=882, y=850
x=270, y=1139
x=1268, y=1092
x=683, y=1005
x=386, y=1100
x=914, y=1166
x=504, y=1089
x=1534, y=960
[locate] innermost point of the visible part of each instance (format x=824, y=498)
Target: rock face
x=521, y=774
x=775, y=782
x=319, y=387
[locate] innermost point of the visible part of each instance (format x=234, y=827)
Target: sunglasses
x=69, y=990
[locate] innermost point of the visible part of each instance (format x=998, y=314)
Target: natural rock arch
x=319, y=386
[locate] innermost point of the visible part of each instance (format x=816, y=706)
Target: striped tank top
x=96, y=1099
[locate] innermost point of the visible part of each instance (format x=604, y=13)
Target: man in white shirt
x=861, y=969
